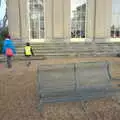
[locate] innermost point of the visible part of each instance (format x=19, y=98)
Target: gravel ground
x=18, y=99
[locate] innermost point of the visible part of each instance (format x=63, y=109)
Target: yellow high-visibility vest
x=28, y=50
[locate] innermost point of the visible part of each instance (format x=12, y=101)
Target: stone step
x=72, y=49
x=58, y=51
x=72, y=54
x=19, y=57
x=70, y=44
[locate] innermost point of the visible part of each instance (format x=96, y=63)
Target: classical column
x=90, y=19
x=67, y=20
x=99, y=20
x=103, y=19
x=23, y=16
x=57, y=19
x=13, y=18
x=48, y=19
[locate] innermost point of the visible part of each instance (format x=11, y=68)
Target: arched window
x=36, y=19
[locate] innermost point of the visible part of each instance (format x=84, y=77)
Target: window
x=115, y=27
x=36, y=18
x=78, y=18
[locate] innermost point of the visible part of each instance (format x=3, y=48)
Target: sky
x=2, y=9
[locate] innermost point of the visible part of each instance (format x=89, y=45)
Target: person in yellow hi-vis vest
x=28, y=52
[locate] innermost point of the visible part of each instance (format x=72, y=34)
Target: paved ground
x=18, y=99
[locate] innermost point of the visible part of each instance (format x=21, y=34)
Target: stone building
x=36, y=20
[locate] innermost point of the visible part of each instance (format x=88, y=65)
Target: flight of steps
x=60, y=50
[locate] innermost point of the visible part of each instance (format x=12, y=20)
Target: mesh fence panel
x=68, y=79
x=56, y=79
x=92, y=74
x=74, y=82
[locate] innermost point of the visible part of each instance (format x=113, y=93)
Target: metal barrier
x=74, y=82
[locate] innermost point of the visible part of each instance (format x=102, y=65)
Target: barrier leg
x=40, y=106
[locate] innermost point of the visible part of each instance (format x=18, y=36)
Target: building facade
x=48, y=20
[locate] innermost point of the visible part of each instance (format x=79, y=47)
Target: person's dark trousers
x=9, y=61
x=28, y=61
